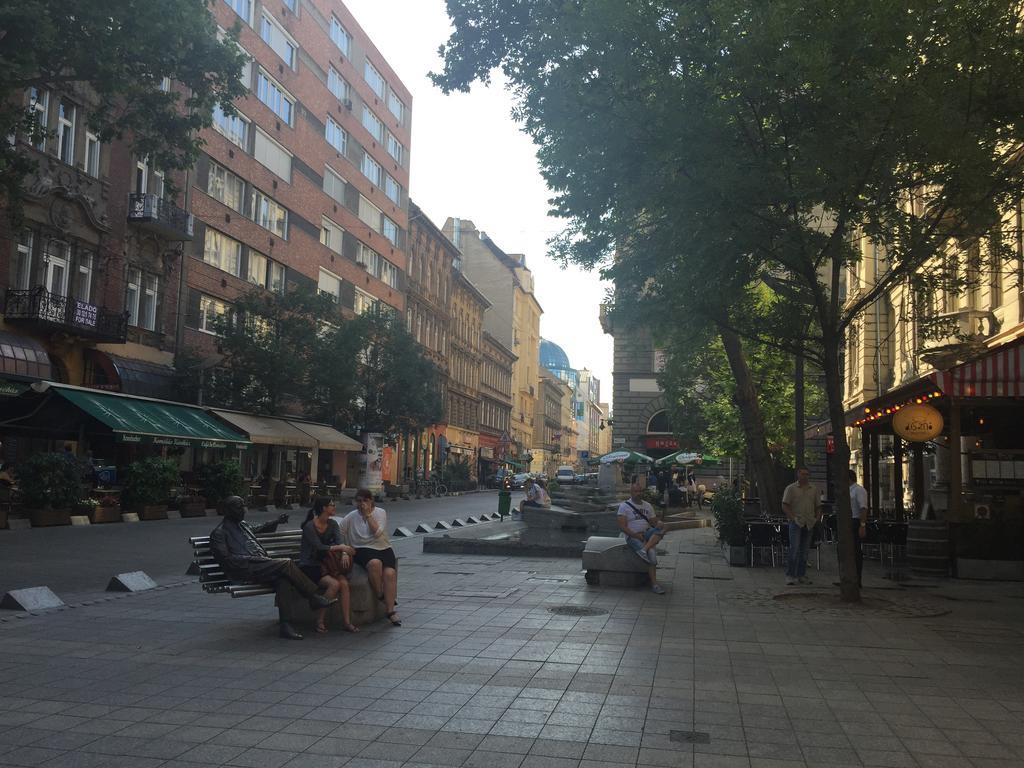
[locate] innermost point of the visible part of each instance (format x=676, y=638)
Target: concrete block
x=458, y=522
x=473, y=519
x=80, y=520
x=402, y=532
x=193, y=569
x=611, y=554
x=133, y=581
x=129, y=517
x=365, y=607
x=30, y=599
x=423, y=528
x=19, y=524
x=443, y=526
x=173, y=514
x=211, y=512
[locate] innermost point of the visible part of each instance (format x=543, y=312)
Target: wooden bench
x=292, y=607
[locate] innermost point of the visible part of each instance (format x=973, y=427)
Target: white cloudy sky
x=470, y=160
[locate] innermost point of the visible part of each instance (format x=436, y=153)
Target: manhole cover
x=690, y=737
x=576, y=610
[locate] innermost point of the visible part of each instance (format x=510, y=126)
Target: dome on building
x=553, y=357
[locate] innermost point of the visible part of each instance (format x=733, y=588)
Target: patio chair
x=761, y=539
x=892, y=543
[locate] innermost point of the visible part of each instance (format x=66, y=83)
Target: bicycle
x=431, y=487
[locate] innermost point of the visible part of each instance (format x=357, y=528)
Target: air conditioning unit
x=348, y=104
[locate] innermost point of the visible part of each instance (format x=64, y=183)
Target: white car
x=565, y=475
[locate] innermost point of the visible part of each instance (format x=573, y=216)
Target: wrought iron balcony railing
x=160, y=216
x=38, y=305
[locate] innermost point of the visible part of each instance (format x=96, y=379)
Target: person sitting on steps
x=236, y=550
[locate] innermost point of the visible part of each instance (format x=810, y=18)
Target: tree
x=732, y=142
x=113, y=55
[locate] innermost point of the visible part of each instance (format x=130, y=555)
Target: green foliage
x=220, y=480
x=727, y=510
x=50, y=480
x=456, y=473
x=148, y=482
x=112, y=55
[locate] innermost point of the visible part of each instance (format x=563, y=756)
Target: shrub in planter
x=147, y=486
x=108, y=510
x=221, y=480
x=50, y=485
x=727, y=510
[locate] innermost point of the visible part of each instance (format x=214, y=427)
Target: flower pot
x=41, y=518
x=735, y=555
x=193, y=508
x=108, y=514
x=153, y=512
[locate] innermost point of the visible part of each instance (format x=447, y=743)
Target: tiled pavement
x=484, y=674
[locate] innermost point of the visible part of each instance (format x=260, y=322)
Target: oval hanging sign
x=917, y=423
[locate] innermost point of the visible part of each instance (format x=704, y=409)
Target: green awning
x=157, y=422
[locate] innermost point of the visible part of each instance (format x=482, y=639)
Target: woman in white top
x=366, y=529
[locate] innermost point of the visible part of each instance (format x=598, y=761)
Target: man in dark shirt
x=236, y=549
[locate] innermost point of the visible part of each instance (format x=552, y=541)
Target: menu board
x=997, y=468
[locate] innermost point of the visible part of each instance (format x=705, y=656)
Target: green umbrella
x=625, y=457
x=685, y=458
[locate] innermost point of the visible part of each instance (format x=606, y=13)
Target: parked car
x=581, y=479
x=565, y=475
x=519, y=479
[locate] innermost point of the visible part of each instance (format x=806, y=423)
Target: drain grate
x=576, y=610
x=689, y=737
x=715, y=578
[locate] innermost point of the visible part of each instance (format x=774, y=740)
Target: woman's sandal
x=350, y=627
x=321, y=629
x=381, y=598
x=394, y=622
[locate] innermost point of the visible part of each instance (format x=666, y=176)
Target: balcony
x=38, y=306
x=957, y=336
x=163, y=218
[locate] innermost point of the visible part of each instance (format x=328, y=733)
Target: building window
x=274, y=36
x=389, y=273
x=210, y=310
x=395, y=105
x=92, y=154
x=23, y=262
x=275, y=277
x=141, y=176
x=331, y=234
x=81, y=278
x=369, y=214
x=165, y=84
x=222, y=252
x=395, y=148
x=290, y=5
x=364, y=302
x=393, y=190
x=329, y=284
x=336, y=135
x=371, y=169
x=337, y=84
x=257, y=268
x=235, y=128
x=389, y=229
x=66, y=132
x=273, y=155
x=225, y=187
x=39, y=102
x=243, y=8
x=996, y=283
x=334, y=185
x=373, y=124
x=370, y=259
x=374, y=79
x=269, y=214
x=274, y=96
x=339, y=36
x=141, y=299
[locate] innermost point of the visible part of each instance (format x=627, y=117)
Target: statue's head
x=234, y=508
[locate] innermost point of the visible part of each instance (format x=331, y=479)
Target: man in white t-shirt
x=536, y=496
x=859, y=512
x=643, y=530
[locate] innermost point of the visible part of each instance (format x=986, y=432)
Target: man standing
x=236, y=549
x=802, y=506
x=859, y=512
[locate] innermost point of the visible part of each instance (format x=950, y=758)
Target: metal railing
x=79, y=317
x=171, y=220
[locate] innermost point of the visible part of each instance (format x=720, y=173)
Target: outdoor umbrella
x=625, y=457
x=685, y=458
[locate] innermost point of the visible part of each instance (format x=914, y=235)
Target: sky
x=470, y=160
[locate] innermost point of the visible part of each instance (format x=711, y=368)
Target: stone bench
x=610, y=562
x=365, y=608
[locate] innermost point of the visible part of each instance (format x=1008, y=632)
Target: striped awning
x=1000, y=373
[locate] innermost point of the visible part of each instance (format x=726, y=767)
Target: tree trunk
x=848, y=589
x=753, y=424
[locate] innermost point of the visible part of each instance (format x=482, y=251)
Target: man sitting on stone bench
x=234, y=546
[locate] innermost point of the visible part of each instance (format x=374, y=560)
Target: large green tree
x=112, y=55
x=724, y=142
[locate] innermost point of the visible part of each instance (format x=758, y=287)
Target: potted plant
x=147, y=486
x=727, y=510
x=50, y=485
x=192, y=505
x=107, y=510
x=220, y=480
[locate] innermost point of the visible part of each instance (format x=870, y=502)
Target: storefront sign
x=917, y=423
x=661, y=443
